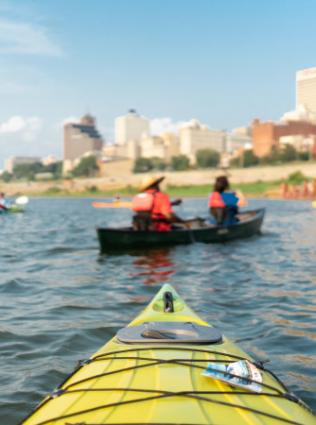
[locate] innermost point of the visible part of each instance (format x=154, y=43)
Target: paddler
x=153, y=208
x=223, y=203
x=3, y=202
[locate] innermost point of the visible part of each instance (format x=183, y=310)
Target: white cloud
x=27, y=128
x=164, y=125
x=26, y=38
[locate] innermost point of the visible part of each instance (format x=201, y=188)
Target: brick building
x=266, y=135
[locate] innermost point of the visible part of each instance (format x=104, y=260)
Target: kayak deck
x=162, y=383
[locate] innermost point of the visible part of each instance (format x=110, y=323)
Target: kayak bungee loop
x=155, y=362
x=168, y=302
x=197, y=395
x=155, y=394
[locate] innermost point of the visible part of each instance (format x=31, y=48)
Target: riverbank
x=255, y=182
x=255, y=190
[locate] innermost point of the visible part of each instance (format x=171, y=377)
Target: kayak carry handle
x=168, y=302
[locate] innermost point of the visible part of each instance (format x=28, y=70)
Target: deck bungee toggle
x=155, y=377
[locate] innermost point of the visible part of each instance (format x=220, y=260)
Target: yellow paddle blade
x=114, y=204
x=314, y=204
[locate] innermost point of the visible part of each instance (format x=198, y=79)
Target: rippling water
x=60, y=300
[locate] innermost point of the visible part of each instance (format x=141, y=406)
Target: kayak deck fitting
x=151, y=372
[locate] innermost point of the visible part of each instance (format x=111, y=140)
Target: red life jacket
x=143, y=202
x=216, y=201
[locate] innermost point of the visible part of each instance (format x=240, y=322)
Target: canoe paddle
x=124, y=204
x=243, y=201
x=114, y=204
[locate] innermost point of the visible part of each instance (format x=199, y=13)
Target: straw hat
x=149, y=181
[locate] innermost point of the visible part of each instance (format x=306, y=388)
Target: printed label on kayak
x=245, y=373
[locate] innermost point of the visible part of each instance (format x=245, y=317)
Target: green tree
x=246, y=159
x=296, y=178
x=158, y=163
x=142, y=165
x=303, y=156
x=55, y=168
x=207, y=158
x=273, y=158
x=27, y=171
x=180, y=162
x=87, y=167
x=6, y=176
x=288, y=154
x=249, y=158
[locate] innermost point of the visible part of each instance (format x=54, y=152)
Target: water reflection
x=154, y=267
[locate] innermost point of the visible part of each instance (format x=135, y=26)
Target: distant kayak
x=13, y=209
x=16, y=209
x=168, y=366
x=125, y=237
x=18, y=206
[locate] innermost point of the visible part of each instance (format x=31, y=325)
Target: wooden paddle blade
x=114, y=204
x=243, y=201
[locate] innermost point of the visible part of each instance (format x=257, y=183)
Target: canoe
x=153, y=372
x=125, y=237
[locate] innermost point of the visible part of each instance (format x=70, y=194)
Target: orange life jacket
x=143, y=202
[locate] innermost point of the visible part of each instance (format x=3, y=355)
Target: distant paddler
x=224, y=204
x=153, y=208
x=3, y=202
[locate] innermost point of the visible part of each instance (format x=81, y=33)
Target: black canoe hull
x=125, y=238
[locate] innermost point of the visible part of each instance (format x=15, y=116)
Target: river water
x=61, y=300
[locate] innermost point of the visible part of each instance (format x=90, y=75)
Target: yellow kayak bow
x=152, y=372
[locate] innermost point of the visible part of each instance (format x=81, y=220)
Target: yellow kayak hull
x=162, y=383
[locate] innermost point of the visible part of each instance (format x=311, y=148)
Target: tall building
x=194, y=136
x=130, y=127
x=80, y=139
x=306, y=89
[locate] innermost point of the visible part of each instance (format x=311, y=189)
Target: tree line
x=205, y=158
x=208, y=158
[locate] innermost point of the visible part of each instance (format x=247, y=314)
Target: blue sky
x=223, y=63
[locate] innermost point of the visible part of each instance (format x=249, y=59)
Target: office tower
x=81, y=138
x=129, y=127
x=306, y=89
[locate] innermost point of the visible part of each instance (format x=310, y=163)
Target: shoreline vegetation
x=258, y=189
x=254, y=182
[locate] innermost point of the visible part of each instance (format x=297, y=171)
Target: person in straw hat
x=153, y=208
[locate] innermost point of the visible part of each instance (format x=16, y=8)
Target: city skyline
x=224, y=64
